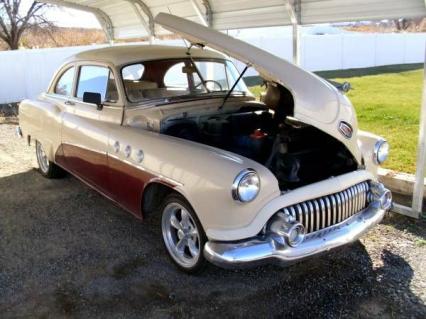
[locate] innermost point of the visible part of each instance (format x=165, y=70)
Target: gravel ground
x=65, y=251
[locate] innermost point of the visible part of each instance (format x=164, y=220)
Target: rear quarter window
x=65, y=83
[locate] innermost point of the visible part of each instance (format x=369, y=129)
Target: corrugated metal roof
x=124, y=19
x=321, y=11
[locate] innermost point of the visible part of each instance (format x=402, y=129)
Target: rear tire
x=183, y=235
x=47, y=168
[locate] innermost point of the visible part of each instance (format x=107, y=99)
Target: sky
x=64, y=17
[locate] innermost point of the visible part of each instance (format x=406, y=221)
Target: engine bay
x=296, y=153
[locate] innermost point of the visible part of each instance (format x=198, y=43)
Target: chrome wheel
x=180, y=234
x=43, y=161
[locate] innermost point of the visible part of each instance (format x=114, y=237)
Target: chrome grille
x=332, y=209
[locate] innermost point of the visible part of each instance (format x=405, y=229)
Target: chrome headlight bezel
x=249, y=194
x=381, y=151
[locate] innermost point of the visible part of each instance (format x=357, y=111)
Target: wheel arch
x=47, y=144
x=153, y=195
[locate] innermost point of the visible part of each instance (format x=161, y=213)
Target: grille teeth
x=329, y=210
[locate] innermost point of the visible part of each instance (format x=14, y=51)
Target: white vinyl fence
x=26, y=73
x=348, y=50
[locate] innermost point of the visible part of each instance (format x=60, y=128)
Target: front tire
x=47, y=168
x=183, y=235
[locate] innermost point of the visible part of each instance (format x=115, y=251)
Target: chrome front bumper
x=272, y=248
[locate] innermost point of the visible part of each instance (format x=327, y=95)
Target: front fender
x=202, y=174
x=366, y=142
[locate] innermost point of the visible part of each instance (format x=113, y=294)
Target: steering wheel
x=213, y=81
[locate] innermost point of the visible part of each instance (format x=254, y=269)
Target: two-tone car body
x=175, y=131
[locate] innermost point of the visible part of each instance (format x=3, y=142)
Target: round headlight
x=246, y=186
x=381, y=151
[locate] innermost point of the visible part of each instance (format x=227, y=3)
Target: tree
x=15, y=18
x=402, y=24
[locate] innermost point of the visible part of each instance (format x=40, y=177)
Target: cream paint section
x=86, y=127
x=119, y=55
x=109, y=113
x=256, y=220
x=316, y=102
x=42, y=121
x=190, y=165
x=86, y=133
x=151, y=117
x=367, y=141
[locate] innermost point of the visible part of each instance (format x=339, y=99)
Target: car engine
x=296, y=153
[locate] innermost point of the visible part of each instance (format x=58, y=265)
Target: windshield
x=180, y=78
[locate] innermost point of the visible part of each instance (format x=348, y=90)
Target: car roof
x=125, y=54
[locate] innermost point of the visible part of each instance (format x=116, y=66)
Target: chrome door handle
x=69, y=103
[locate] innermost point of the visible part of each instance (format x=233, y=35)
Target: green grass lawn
x=387, y=101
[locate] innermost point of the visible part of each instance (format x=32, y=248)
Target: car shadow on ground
x=68, y=252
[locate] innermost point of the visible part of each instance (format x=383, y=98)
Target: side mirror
x=93, y=98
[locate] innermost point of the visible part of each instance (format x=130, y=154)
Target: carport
x=127, y=19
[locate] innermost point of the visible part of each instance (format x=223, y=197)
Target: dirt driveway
x=65, y=251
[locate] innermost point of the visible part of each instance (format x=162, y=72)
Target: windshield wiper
x=223, y=93
x=233, y=87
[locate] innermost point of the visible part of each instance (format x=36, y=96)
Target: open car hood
x=316, y=101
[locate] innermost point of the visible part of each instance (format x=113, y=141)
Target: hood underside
x=314, y=98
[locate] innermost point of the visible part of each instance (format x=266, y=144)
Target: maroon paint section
x=117, y=180
x=127, y=183
x=60, y=156
x=90, y=166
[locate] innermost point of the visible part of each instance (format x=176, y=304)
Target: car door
x=86, y=126
x=58, y=97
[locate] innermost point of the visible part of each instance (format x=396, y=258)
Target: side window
x=175, y=77
x=97, y=79
x=65, y=82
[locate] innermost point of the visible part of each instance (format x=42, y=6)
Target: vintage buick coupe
x=175, y=131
